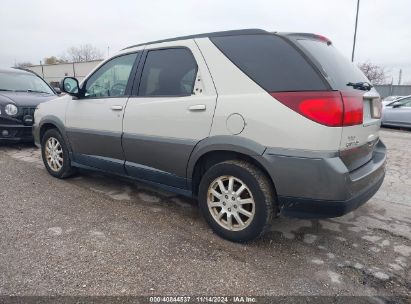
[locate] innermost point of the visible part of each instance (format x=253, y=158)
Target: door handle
x=199, y=107
x=117, y=108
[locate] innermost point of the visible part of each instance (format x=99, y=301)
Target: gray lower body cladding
x=323, y=186
x=308, y=184
x=92, y=142
x=166, y=154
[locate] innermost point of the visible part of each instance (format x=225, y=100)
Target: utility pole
x=355, y=31
x=108, y=51
x=42, y=69
x=399, y=77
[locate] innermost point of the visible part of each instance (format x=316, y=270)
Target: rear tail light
x=329, y=108
x=353, y=108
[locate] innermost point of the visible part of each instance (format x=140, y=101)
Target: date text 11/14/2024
x=202, y=299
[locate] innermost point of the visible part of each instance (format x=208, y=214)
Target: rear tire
x=237, y=200
x=55, y=154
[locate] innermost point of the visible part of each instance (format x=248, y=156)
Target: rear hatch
x=359, y=139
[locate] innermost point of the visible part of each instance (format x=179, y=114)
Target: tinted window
x=169, y=72
x=338, y=69
x=111, y=79
x=271, y=62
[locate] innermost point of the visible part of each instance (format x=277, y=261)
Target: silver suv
x=254, y=124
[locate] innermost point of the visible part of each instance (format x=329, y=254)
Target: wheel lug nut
x=233, y=198
x=226, y=196
x=224, y=204
x=229, y=209
x=235, y=206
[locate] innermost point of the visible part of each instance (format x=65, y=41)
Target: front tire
x=237, y=200
x=55, y=154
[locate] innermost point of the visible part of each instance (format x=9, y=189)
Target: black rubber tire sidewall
x=66, y=170
x=262, y=202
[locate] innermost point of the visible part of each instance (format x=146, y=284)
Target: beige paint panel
x=96, y=114
x=268, y=121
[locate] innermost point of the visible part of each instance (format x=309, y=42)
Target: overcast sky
x=34, y=29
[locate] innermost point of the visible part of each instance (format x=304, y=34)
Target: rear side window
x=271, y=62
x=168, y=72
x=337, y=69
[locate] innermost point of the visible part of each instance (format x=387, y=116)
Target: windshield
x=401, y=101
x=338, y=69
x=20, y=82
x=391, y=98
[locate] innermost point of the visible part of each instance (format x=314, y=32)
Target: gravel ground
x=100, y=235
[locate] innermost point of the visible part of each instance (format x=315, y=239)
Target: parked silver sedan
x=397, y=113
x=390, y=99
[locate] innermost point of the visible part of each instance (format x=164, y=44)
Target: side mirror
x=396, y=104
x=57, y=90
x=70, y=86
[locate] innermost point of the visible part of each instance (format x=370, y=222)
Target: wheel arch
x=217, y=149
x=53, y=122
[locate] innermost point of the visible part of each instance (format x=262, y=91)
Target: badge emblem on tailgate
x=352, y=141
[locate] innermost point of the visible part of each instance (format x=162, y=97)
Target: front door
x=94, y=122
x=172, y=112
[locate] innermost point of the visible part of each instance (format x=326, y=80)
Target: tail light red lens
x=329, y=108
x=325, y=108
x=353, y=108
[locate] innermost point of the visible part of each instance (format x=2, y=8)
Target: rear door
x=357, y=141
x=171, y=111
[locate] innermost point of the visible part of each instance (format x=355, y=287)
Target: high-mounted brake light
x=323, y=39
x=329, y=108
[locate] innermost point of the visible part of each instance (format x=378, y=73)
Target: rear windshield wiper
x=364, y=86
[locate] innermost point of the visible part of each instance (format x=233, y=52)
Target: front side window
x=169, y=72
x=111, y=79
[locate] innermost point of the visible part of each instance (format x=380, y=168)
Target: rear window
x=271, y=62
x=336, y=68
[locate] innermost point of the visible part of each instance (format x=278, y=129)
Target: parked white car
x=253, y=124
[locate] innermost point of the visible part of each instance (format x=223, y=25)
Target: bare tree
x=375, y=73
x=84, y=52
x=54, y=60
x=24, y=64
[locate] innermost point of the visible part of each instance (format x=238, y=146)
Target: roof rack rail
x=212, y=34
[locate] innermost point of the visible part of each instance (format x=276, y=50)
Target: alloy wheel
x=54, y=154
x=231, y=203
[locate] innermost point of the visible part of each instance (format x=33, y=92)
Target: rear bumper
x=324, y=187
x=15, y=133
x=311, y=208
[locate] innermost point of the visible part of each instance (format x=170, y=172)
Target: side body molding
x=229, y=143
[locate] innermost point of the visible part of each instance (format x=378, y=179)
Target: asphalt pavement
x=96, y=234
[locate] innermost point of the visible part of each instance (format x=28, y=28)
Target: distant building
x=54, y=73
